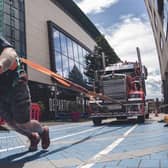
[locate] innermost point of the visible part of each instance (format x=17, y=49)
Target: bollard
x=166, y=119
x=35, y=111
x=2, y=121
x=156, y=113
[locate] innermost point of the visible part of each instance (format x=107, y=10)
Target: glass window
x=7, y=30
x=15, y=13
x=16, y=4
x=21, y=25
x=17, y=37
x=69, y=55
x=80, y=51
x=58, y=63
x=22, y=40
x=75, y=49
x=81, y=68
x=71, y=64
x=17, y=45
x=77, y=65
x=85, y=78
x=21, y=4
x=7, y=19
x=84, y=56
x=16, y=23
x=63, y=44
x=13, y=34
x=65, y=62
x=165, y=16
x=70, y=48
x=9, y=1
x=57, y=46
x=6, y=8
x=12, y=22
x=13, y=18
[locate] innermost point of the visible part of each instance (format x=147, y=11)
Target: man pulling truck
x=15, y=98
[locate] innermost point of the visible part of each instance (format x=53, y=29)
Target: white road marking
x=70, y=125
x=107, y=150
x=52, y=140
x=12, y=148
x=78, y=133
x=6, y=137
x=65, y=128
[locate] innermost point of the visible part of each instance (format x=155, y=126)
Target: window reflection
x=75, y=47
x=58, y=63
x=71, y=64
x=13, y=22
x=80, y=51
x=84, y=55
x=67, y=55
x=81, y=68
x=65, y=66
x=165, y=17
x=57, y=46
x=63, y=44
x=77, y=65
x=70, y=48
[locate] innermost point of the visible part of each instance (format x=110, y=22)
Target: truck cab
x=125, y=83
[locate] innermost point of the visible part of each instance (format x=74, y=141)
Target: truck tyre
x=141, y=119
x=97, y=121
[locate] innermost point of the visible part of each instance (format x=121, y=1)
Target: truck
x=124, y=83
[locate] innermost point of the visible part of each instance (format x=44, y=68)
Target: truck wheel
x=97, y=121
x=141, y=119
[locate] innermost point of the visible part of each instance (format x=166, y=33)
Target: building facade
x=158, y=14
x=57, y=35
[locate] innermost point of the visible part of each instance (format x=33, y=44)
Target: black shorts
x=15, y=104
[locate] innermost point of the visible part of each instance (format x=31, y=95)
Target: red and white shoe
x=34, y=141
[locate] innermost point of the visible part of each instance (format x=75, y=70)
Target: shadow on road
x=18, y=160
x=2, y=128
x=124, y=122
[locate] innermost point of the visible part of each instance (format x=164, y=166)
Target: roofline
x=80, y=18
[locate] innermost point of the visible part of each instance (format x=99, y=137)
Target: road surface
x=114, y=144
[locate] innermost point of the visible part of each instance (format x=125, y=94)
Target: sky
x=125, y=24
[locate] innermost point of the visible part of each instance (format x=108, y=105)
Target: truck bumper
x=114, y=115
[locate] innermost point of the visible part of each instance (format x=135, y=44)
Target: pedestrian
x=15, y=98
x=157, y=108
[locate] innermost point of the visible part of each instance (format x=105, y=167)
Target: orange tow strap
x=45, y=71
x=65, y=82
x=54, y=75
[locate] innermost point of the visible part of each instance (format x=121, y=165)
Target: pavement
x=80, y=145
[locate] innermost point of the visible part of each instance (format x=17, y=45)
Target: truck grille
x=115, y=88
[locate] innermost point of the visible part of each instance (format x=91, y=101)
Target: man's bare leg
x=34, y=131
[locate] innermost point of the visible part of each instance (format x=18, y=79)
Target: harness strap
x=21, y=75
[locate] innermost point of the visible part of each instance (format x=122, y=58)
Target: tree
x=93, y=64
x=76, y=76
x=94, y=61
x=110, y=55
